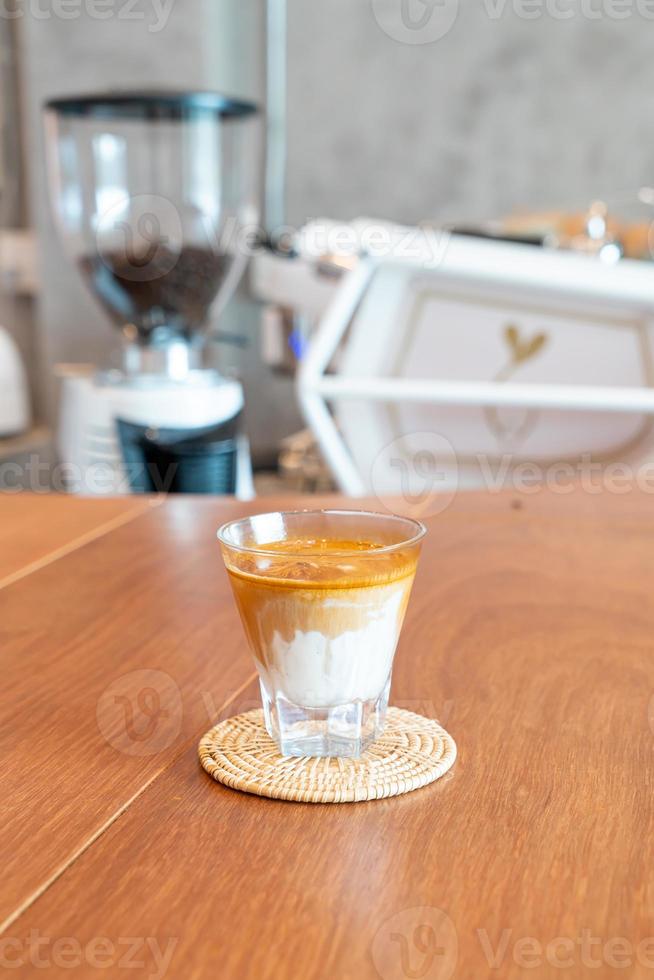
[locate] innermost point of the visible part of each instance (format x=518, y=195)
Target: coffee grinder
x=152, y=193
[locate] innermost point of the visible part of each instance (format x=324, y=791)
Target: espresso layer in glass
x=323, y=616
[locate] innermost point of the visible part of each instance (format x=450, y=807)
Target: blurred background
x=455, y=198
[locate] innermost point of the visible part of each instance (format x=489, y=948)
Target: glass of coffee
x=322, y=596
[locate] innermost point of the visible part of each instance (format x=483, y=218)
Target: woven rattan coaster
x=412, y=752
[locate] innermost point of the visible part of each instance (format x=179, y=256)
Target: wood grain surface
x=132, y=628
x=529, y=635
x=37, y=529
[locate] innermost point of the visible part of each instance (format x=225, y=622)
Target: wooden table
x=530, y=635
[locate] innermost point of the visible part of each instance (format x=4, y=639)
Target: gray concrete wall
x=500, y=113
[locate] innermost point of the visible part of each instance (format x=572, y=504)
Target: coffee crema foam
x=324, y=563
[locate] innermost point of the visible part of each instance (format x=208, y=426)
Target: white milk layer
x=318, y=671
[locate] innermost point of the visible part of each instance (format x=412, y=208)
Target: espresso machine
x=152, y=193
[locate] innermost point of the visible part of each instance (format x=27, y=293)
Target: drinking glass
x=322, y=596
